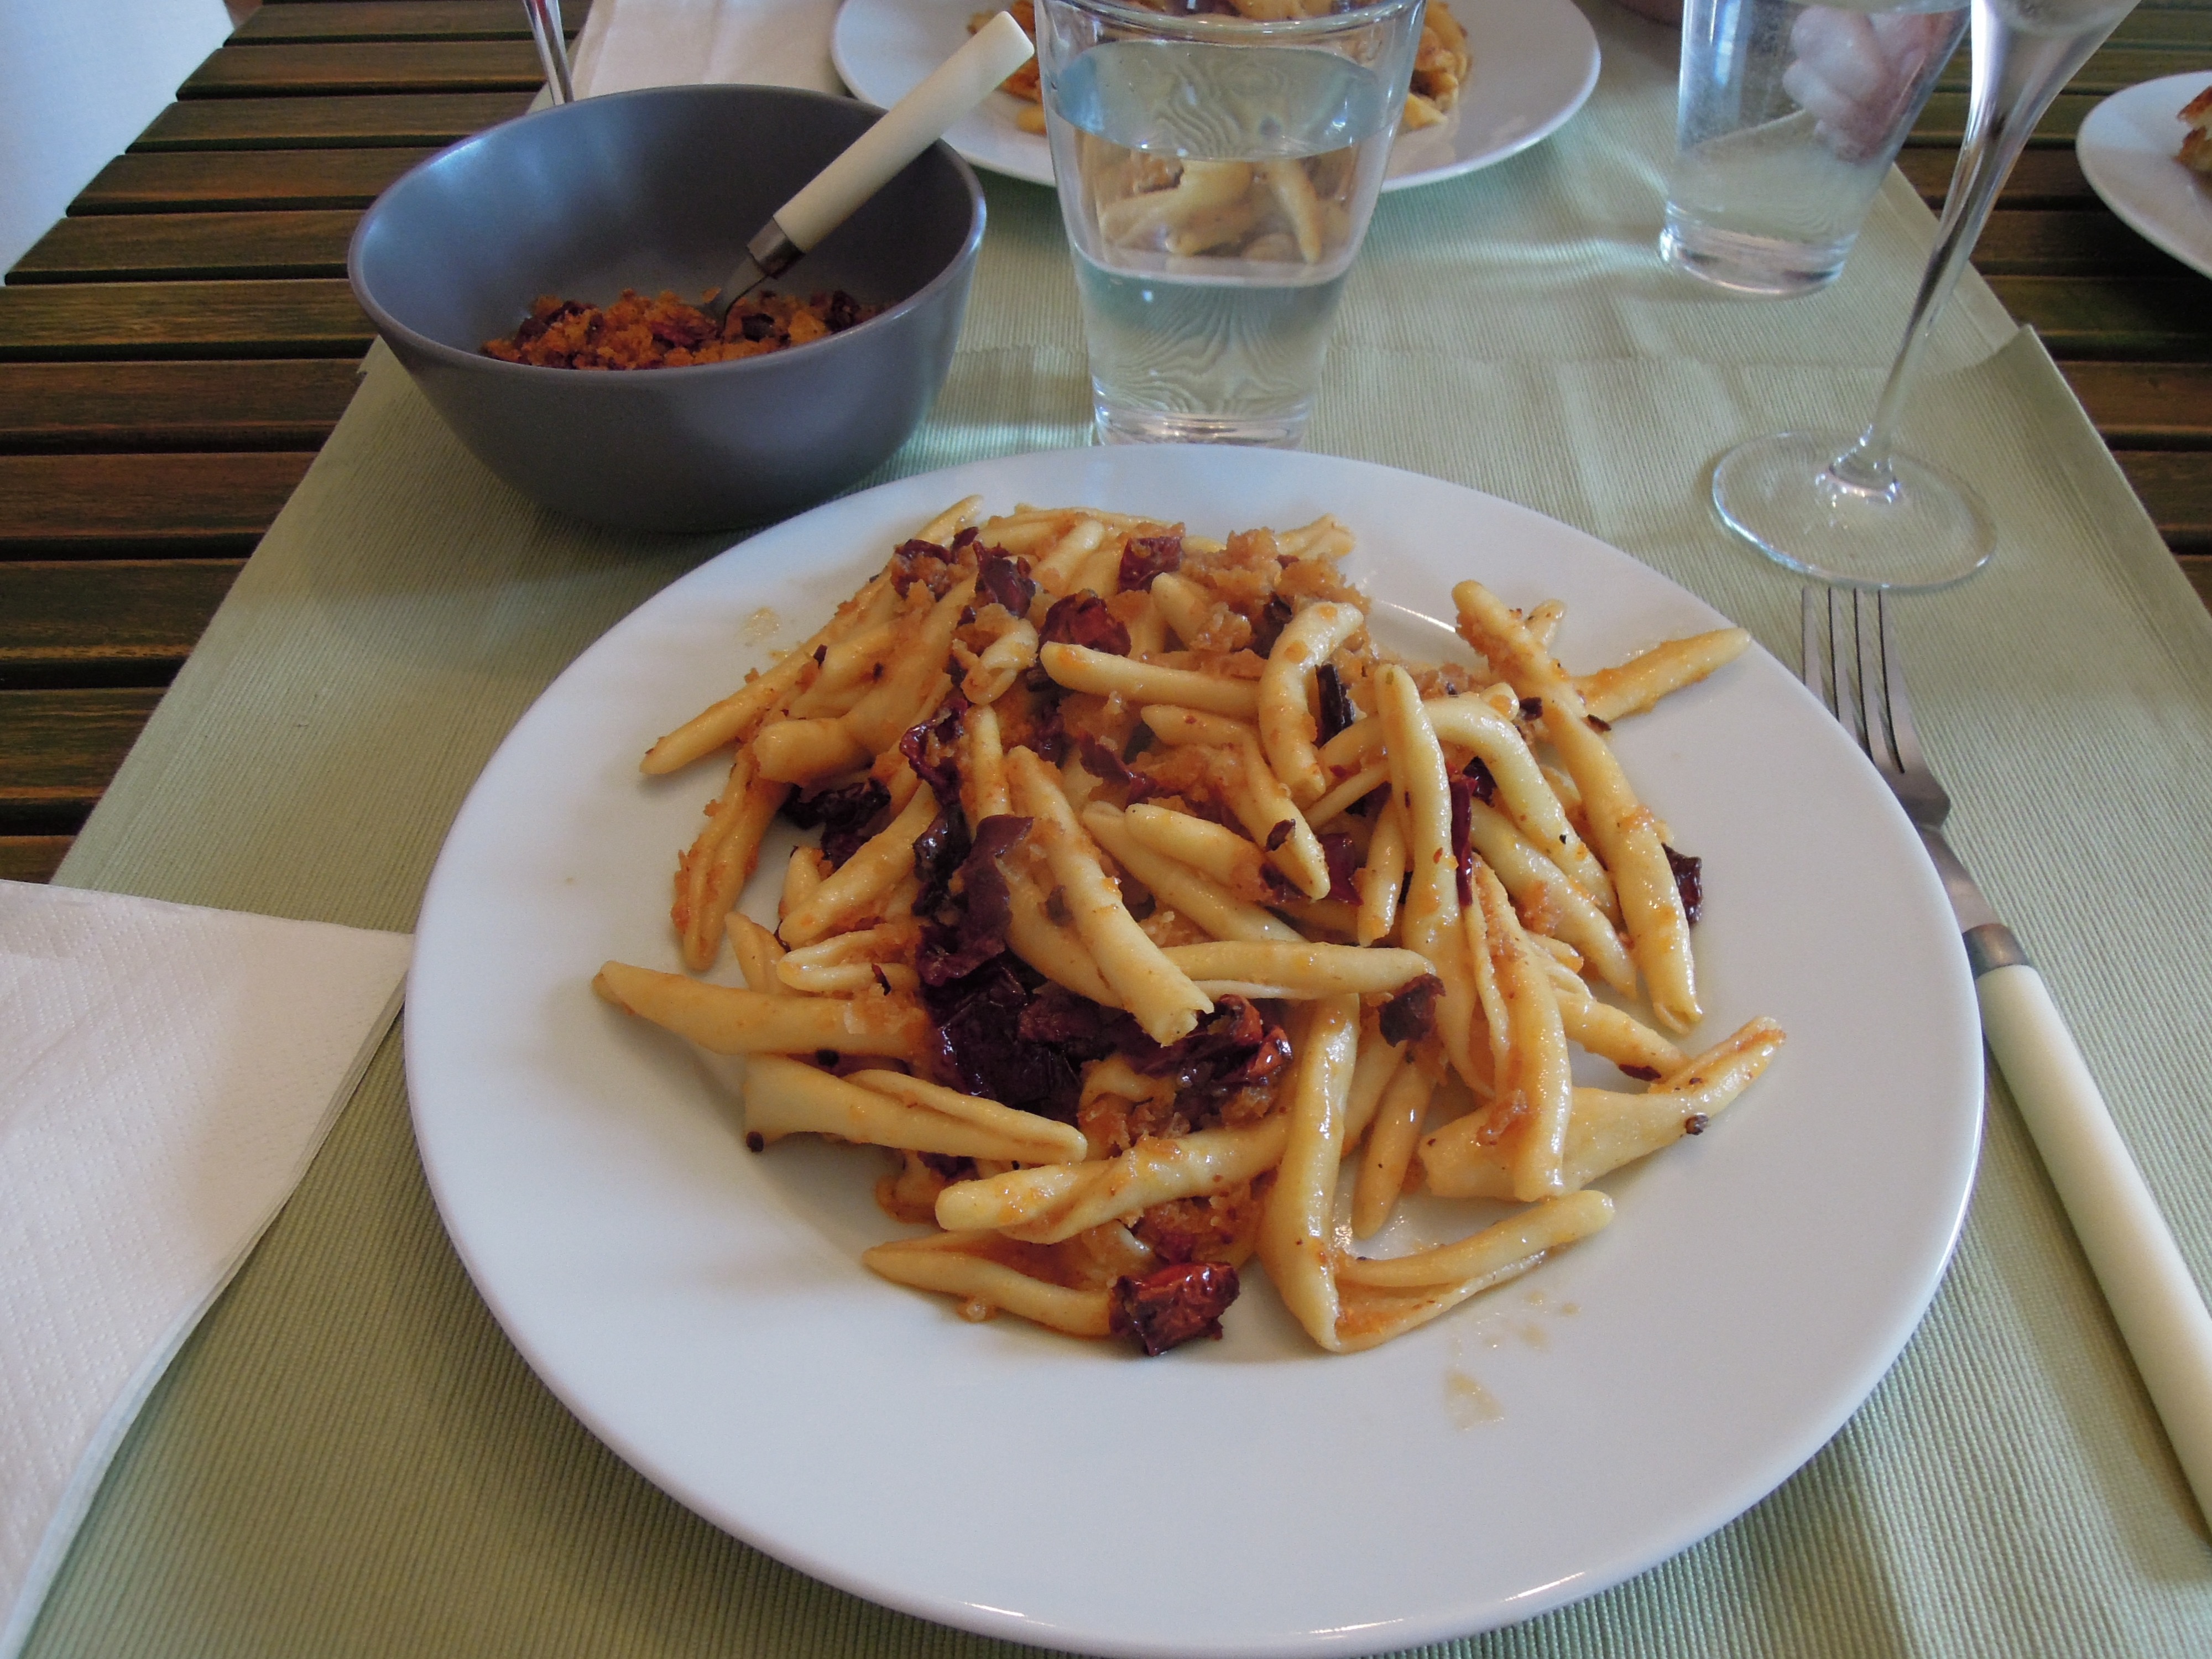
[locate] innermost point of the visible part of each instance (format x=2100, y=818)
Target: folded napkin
x=627, y=44
x=166, y=1075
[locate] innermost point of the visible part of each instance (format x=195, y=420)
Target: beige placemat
x=348, y=1458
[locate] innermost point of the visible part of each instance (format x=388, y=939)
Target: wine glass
x=1856, y=512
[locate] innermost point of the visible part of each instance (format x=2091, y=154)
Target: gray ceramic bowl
x=659, y=190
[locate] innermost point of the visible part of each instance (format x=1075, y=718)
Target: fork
x=2153, y=1299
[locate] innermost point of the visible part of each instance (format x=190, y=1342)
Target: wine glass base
x=1928, y=530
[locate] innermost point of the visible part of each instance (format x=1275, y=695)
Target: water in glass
x=1215, y=196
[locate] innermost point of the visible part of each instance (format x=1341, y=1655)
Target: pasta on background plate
x=1162, y=920
x=1442, y=60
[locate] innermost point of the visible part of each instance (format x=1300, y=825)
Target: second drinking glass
x=1790, y=116
x=1217, y=175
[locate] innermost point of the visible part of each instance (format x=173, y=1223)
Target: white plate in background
x=1536, y=62
x=2127, y=149
x=702, y=1310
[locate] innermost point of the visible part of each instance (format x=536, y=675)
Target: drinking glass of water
x=1217, y=171
x=1790, y=116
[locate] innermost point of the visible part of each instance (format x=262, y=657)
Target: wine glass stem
x=2016, y=75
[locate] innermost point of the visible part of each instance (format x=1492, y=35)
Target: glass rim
x=1217, y=27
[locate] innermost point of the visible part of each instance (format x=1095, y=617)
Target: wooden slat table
x=173, y=352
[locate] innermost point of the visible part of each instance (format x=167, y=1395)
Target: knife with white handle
x=871, y=161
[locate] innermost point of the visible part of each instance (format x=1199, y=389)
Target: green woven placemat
x=348, y=1458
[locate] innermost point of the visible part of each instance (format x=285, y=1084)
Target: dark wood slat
x=2147, y=406
x=380, y=66
x=2040, y=178
x=181, y=505
x=390, y=119
x=2197, y=568
x=304, y=317
x=2147, y=26
x=32, y=858
x=107, y=247
x=284, y=404
x=1927, y=169
x=104, y=622
x=2096, y=317
x=2053, y=243
x=1944, y=120
x=397, y=20
x=258, y=180
x=2119, y=65
x=58, y=750
x=2176, y=490
x=2113, y=67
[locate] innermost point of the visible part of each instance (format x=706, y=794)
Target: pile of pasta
x=1442, y=66
x=1442, y=62
x=1156, y=904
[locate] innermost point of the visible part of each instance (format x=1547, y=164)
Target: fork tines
x=1845, y=631
x=1851, y=631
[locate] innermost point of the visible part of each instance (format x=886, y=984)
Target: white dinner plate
x=1536, y=62
x=2127, y=149
x=703, y=1310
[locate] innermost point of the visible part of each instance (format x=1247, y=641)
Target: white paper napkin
x=627, y=44
x=166, y=1076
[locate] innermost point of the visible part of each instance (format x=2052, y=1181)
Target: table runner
x=348, y=1458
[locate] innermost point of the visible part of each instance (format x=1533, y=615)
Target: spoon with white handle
x=908, y=128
